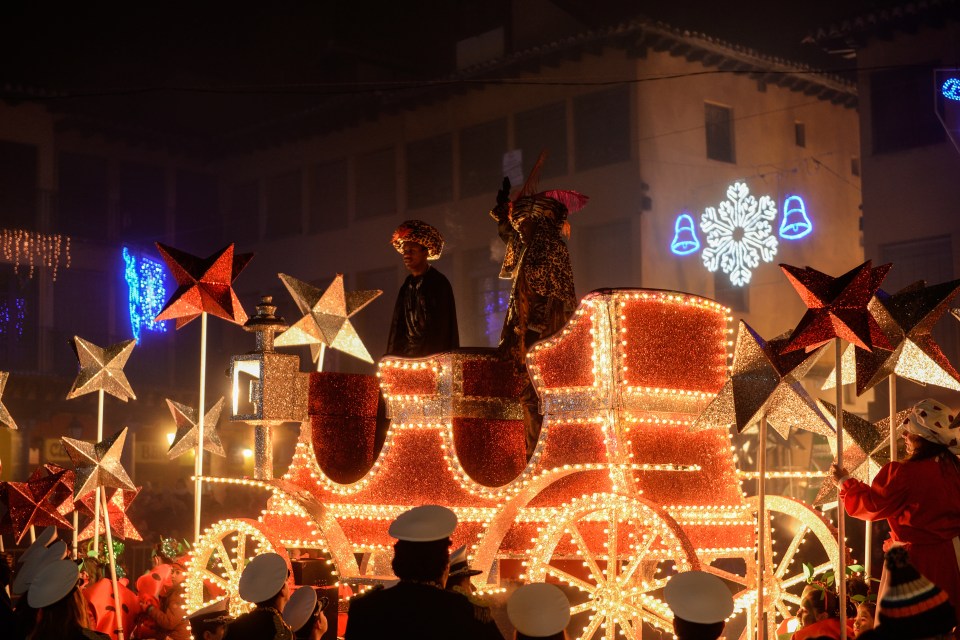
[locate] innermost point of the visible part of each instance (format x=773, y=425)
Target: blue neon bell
x=795, y=224
x=684, y=236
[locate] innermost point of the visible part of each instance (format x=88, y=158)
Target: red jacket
x=829, y=628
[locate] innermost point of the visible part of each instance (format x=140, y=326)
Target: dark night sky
x=206, y=67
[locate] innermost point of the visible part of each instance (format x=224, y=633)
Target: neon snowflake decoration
x=739, y=234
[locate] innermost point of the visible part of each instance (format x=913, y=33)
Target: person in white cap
x=701, y=604
x=210, y=622
x=62, y=611
x=263, y=583
x=918, y=497
x=539, y=610
x=458, y=581
x=304, y=614
x=417, y=606
x=40, y=556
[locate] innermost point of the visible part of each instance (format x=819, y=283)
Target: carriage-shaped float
x=618, y=495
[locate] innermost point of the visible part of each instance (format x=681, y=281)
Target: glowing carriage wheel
x=792, y=527
x=220, y=556
x=617, y=552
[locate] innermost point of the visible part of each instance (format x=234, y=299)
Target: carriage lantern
x=268, y=387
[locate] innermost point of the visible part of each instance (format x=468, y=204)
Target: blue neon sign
x=147, y=292
x=796, y=223
x=685, y=239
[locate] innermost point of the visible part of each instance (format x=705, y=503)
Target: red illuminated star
x=204, y=285
x=61, y=496
x=120, y=525
x=765, y=381
x=30, y=505
x=837, y=307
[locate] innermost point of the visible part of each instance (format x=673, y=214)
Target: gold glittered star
x=187, y=429
x=866, y=447
x=326, y=317
x=98, y=465
x=765, y=381
x=907, y=318
x=6, y=419
x=102, y=369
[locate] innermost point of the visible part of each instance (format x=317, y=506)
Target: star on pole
x=326, y=317
x=187, y=429
x=765, y=381
x=120, y=524
x=866, y=448
x=6, y=419
x=204, y=285
x=98, y=464
x=30, y=504
x=907, y=317
x=102, y=369
x=837, y=307
x=60, y=495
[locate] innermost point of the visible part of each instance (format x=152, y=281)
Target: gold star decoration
x=326, y=317
x=837, y=307
x=188, y=427
x=204, y=285
x=102, y=369
x=907, y=318
x=98, y=465
x=765, y=381
x=866, y=447
x=6, y=419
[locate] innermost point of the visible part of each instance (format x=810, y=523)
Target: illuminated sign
x=950, y=89
x=147, y=292
x=739, y=234
x=795, y=224
x=685, y=239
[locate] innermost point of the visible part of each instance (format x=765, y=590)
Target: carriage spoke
x=570, y=579
x=227, y=563
x=241, y=548
x=592, y=627
x=585, y=551
x=791, y=551
x=580, y=608
x=797, y=579
x=613, y=558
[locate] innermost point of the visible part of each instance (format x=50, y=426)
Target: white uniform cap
x=43, y=540
x=700, y=597
x=220, y=606
x=539, y=610
x=424, y=524
x=300, y=607
x=53, y=583
x=36, y=562
x=263, y=578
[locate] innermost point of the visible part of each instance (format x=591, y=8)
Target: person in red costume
x=919, y=497
x=819, y=615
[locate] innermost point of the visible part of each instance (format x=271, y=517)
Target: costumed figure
x=418, y=606
x=918, y=497
x=819, y=614
x=304, y=614
x=425, y=315
x=911, y=607
x=62, y=611
x=264, y=582
x=166, y=612
x=458, y=581
x=210, y=622
x=542, y=298
x=701, y=604
x=539, y=610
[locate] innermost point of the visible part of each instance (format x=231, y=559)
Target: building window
x=284, y=205
x=855, y=166
x=18, y=185
x=718, y=122
x=376, y=180
x=19, y=319
x=800, y=134
x=430, y=171
x=737, y=298
x=481, y=158
x=601, y=123
x=82, y=207
x=328, y=196
x=543, y=129
x=244, y=212
x=902, y=114
x=198, y=206
x=141, y=204
x=929, y=259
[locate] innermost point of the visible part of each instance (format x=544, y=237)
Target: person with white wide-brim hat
x=62, y=611
x=417, y=606
x=919, y=497
x=264, y=582
x=304, y=614
x=701, y=604
x=210, y=622
x=539, y=610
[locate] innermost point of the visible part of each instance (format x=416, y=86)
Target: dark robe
x=263, y=623
x=424, y=317
x=415, y=610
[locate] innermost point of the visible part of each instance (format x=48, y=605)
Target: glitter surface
x=118, y=503
x=185, y=439
x=30, y=504
x=204, y=285
x=98, y=464
x=102, y=369
x=6, y=420
x=837, y=307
